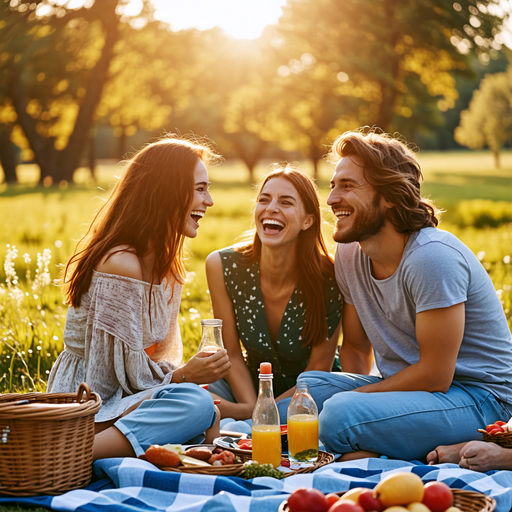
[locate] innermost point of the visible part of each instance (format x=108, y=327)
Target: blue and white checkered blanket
x=132, y=485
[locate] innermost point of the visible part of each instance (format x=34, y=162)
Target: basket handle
x=84, y=388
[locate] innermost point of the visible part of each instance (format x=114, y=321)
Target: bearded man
x=419, y=303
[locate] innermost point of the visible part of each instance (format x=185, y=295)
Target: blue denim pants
x=403, y=425
x=176, y=414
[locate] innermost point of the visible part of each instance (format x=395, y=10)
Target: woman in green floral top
x=276, y=295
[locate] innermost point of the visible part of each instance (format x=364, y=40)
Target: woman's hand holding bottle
x=206, y=367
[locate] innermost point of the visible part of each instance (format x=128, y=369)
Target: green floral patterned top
x=288, y=356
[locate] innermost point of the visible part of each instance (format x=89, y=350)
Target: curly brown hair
x=393, y=170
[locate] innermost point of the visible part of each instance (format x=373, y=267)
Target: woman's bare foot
x=445, y=454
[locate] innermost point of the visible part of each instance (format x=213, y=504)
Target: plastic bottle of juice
x=266, y=430
x=302, y=426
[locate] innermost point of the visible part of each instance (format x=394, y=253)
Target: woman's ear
x=308, y=222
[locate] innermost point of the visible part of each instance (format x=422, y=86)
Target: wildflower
x=42, y=274
x=10, y=273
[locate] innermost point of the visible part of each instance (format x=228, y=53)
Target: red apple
x=438, y=496
x=368, y=502
x=332, y=499
x=346, y=506
x=307, y=500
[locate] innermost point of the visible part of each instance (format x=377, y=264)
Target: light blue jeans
x=176, y=414
x=403, y=425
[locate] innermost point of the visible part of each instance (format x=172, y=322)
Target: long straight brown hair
x=147, y=209
x=314, y=262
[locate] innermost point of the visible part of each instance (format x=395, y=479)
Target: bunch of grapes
x=253, y=469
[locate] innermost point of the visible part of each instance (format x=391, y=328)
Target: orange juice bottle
x=302, y=426
x=266, y=429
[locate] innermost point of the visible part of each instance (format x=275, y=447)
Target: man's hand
x=444, y=454
x=481, y=456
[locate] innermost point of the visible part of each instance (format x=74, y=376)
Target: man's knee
x=340, y=413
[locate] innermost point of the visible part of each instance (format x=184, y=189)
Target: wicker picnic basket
x=502, y=438
x=46, y=441
x=466, y=501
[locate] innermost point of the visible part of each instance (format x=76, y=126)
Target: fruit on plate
x=353, y=494
x=332, y=499
x=346, y=506
x=399, y=489
x=417, y=507
x=162, y=456
x=369, y=502
x=309, y=500
x=437, y=497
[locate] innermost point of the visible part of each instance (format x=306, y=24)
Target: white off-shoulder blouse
x=105, y=340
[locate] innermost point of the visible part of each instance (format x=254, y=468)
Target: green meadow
x=476, y=198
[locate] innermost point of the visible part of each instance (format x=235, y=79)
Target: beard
x=366, y=224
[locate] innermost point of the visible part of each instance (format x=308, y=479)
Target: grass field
x=476, y=197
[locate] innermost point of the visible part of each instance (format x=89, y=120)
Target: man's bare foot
x=445, y=454
x=361, y=454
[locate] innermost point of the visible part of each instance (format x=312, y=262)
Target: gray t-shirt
x=436, y=271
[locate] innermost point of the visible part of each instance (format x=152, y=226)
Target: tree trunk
x=121, y=144
x=8, y=158
x=92, y=157
x=71, y=155
x=496, y=155
x=37, y=143
x=315, y=155
x=248, y=157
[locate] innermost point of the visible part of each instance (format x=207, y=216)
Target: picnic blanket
x=132, y=485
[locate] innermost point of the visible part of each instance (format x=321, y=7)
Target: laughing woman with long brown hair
x=123, y=285
x=276, y=295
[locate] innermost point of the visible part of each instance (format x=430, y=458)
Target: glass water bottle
x=302, y=426
x=211, y=339
x=266, y=429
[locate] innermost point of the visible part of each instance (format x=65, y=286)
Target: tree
x=8, y=157
x=390, y=52
x=57, y=61
x=152, y=75
x=488, y=120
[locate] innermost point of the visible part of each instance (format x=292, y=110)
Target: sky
x=242, y=19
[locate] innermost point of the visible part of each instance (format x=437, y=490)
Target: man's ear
x=310, y=220
x=386, y=204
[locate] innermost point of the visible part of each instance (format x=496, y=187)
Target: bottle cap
x=265, y=368
x=212, y=322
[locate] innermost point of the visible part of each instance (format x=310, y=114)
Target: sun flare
x=242, y=19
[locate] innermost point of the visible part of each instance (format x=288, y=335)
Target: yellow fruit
x=418, y=507
x=399, y=489
x=395, y=508
x=453, y=509
x=353, y=494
